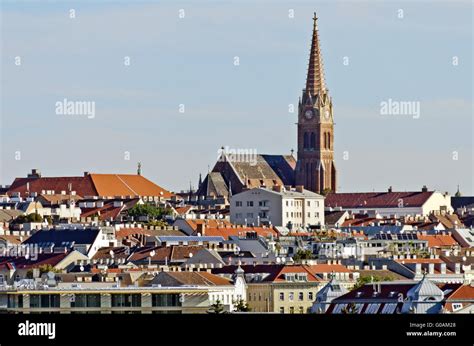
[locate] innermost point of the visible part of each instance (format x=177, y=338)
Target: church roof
x=214, y=185
x=266, y=170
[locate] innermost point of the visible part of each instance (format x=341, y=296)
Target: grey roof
x=463, y=201
x=206, y=256
x=425, y=288
x=254, y=246
x=63, y=238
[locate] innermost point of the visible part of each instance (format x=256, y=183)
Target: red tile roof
x=376, y=199
x=109, y=185
x=227, y=232
x=438, y=240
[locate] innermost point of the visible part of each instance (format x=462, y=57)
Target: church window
x=305, y=140
x=313, y=141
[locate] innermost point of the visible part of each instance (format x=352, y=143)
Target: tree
x=242, y=306
x=302, y=255
x=326, y=191
x=44, y=268
x=363, y=280
x=350, y=309
x=216, y=308
x=34, y=217
x=149, y=211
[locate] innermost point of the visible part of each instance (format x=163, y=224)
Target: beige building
x=279, y=206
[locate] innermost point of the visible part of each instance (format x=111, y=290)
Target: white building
x=391, y=203
x=278, y=206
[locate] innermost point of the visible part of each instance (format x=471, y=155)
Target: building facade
x=294, y=208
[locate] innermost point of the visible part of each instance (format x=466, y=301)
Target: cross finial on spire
x=315, y=78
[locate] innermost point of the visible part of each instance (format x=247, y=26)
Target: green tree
x=44, y=268
x=242, y=306
x=302, y=255
x=363, y=280
x=34, y=217
x=216, y=308
x=350, y=309
x=148, y=210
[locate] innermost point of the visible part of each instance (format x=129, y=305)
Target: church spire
x=315, y=78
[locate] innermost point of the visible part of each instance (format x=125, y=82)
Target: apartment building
x=295, y=208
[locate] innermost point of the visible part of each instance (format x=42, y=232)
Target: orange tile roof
x=209, y=223
x=438, y=240
x=227, y=232
x=419, y=260
x=126, y=185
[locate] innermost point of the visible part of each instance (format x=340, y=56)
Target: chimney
x=390, y=189
x=35, y=173
x=299, y=188
x=277, y=188
x=201, y=228
x=86, y=174
x=424, y=189
x=457, y=268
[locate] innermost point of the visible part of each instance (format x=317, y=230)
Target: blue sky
x=190, y=61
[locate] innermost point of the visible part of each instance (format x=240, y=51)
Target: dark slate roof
x=63, y=238
x=283, y=166
x=214, y=185
x=376, y=199
x=463, y=201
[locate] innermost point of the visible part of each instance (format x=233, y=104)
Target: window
x=282, y=310
x=282, y=296
x=457, y=306
x=308, y=203
x=249, y=203
x=300, y=296
x=287, y=214
x=291, y=296
x=313, y=141
x=310, y=296
x=165, y=299
x=301, y=310
x=292, y=310
x=238, y=215
x=309, y=214
x=316, y=215
x=126, y=300
x=250, y=215
x=238, y=203
x=85, y=301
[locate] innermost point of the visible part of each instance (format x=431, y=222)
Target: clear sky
x=190, y=61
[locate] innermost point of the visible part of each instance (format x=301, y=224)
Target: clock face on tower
x=326, y=114
x=308, y=114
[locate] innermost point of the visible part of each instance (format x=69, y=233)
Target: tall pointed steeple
x=315, y=79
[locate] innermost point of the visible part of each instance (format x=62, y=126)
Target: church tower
x=315, y=168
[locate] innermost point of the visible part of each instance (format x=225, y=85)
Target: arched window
x=329, y=140
x=325, y=140
x=305, y=140
x=313, y=140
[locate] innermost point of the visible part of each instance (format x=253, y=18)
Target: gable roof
x=63, y=238
x=91, y=185
x=376, y=199
x=189, y=278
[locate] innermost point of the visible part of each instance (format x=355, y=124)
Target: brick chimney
x=201, y=228
x=299, y=188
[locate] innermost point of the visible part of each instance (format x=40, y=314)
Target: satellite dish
x=190, y=255
x=278, y=260
x=283, y=259
x=152, y=253
x=81, y=268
